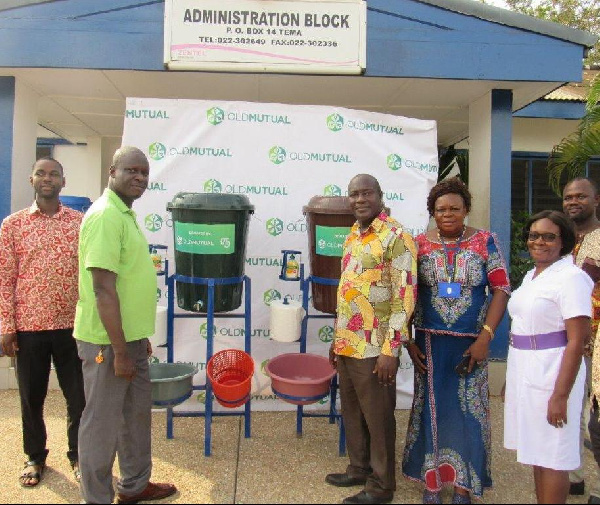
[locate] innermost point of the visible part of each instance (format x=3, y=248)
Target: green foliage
x=580, y=14
x=449, y=158
x=520, y=262
x=571, y=155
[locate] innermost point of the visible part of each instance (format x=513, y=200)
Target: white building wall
x=540, y=135
x=109, y=146
x=82, y=166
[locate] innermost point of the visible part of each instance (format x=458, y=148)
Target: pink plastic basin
x=299, y=378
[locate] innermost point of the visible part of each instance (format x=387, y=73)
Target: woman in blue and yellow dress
x=449, y=440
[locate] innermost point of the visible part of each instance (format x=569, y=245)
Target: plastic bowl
x=300, y=378
x=172, y=383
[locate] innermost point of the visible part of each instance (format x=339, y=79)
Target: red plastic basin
x=300, y=378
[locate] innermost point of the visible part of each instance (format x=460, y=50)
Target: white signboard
x=279, y=156
x=306, y=36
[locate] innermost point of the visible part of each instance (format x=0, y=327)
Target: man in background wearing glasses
x=580, y=202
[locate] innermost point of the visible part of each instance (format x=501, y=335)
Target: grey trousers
x=116, y=420
x=368, y=413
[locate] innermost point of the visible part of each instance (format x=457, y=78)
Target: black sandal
x=36, y=475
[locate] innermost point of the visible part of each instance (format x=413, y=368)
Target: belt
x=539, y=342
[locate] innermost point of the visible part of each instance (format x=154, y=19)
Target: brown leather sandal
x=32, y=474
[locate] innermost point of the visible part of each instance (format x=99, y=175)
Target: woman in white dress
x=550, y=314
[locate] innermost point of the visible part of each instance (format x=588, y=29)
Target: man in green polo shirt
x=115, y=316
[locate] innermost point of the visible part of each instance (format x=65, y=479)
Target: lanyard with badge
x=450, y=289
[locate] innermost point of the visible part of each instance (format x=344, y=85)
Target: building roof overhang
x=427, y=59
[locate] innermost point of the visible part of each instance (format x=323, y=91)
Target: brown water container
x=329, y=220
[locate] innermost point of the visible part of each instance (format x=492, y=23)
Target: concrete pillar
x=24, y=144
x=490, y=135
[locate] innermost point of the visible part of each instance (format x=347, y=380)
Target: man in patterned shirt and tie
x=376, y=298
x=38, y=294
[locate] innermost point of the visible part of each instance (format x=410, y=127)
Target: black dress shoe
x=344, y=480
x=577, y=488
x=365, y=497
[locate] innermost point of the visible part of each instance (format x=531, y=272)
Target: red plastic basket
x=230, y=373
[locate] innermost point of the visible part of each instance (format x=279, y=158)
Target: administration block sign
x=266, y=35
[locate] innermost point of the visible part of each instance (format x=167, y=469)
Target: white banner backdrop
x=279, y=156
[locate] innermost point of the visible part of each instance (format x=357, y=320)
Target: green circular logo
x=394, y=162
x=263, y=367
x=153, y=222
x=213, y=186
x=275, y=226
x=271, y=295
x=277, y=155
x=215, y=116
x=158, y=294
x=153, y=360
x=332, y=190
x=157, y=151
x=335, y=122
x=204, y=331
x=326, y=334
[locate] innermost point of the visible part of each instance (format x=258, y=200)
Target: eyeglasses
x=532, y=236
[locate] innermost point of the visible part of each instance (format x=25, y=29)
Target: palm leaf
x=449, y=158
x=570, y=157
x=594, y=95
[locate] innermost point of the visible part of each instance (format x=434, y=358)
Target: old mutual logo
x=271, y=295
x=263, y=367
x=153, y=222
x=213, y=186
x=277, y=155
x=204, y=331
x=215, y=116
x=394, y=162
x=332, y=190
x=335, y=122
x=157, y=151
x=323, y=401
x=326, y=334
x=275, y=226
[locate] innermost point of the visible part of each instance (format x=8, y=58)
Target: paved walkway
x=272, y=467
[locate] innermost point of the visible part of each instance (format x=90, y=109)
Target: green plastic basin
x=172, y=383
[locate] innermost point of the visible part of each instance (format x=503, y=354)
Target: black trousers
x=36, y=350
x=594, y=427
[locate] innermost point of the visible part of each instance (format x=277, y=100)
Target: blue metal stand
x=208, y=414
x=333, y=414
